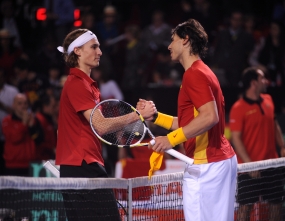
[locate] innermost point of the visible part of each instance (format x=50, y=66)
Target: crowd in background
x=134, y=36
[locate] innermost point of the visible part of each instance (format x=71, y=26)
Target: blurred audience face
x=157, y=19
x=236, y=20
x=6, y=40
x=249, y=23
x=54, y=73
x=88, y=21
x=109, y=15
x=20, y=104
x=51, y=107
x=274, y=30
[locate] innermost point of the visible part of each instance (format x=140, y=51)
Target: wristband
x=164, y=120
x=176, y=137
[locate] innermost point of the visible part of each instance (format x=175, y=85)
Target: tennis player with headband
x=209, y=185
x=78, y=150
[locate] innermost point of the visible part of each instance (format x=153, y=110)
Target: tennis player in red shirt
x=79, y=151
x=254, y=134
x=209, y=184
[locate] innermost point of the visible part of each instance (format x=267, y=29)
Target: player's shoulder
x=266, y=97
x=238, y=105
x=198, y=70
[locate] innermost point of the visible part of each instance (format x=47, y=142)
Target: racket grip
x=180, y=156
x=152, y=142
x=176, y=154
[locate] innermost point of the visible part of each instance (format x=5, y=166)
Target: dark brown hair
x=196, y=34
x=71, y=60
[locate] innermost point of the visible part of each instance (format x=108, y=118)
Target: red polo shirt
x=200, y=86
x=257, y=126
x=76, y=141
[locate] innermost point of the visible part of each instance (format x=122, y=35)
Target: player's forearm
x=199, y=125
x=279, y=136
x=240, y=149
x=174, y=125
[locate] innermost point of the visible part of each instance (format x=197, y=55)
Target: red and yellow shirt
x=76, y=141
x=200, y=86
x=256, y=123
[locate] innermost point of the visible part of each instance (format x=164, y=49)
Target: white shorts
x=209, y=191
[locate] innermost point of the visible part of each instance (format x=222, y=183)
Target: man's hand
x=254, y=174
x=282, y=152
x=161, y=144
x=28, y=118
x=146, y=108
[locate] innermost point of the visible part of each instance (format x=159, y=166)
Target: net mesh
x=258, y=198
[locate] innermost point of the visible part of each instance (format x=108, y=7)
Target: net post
x=130, y=199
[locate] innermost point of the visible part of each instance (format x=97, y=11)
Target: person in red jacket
x=22, y=131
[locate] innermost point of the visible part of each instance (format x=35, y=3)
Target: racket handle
x=176, y=154
x=180, y=156
x=152, y=142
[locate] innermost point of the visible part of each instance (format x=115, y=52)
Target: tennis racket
x=119, y=124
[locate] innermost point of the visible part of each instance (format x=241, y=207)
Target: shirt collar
x=250, y=101
x=78, y=73
x=258, y=102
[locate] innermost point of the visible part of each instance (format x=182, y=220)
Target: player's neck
x=253, y=95
x=85, y=69
x=188, y=60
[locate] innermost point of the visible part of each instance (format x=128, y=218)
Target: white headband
x=81, y=40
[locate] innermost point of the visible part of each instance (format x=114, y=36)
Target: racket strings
x=136, y=133
x=121, y=125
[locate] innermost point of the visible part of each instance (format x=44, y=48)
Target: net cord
x=26, y=183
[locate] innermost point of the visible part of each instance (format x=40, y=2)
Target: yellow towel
x=155, y=161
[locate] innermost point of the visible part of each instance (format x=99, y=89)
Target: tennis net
x=157, y=199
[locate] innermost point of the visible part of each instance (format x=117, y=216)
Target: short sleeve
x=198, y=87
x=236, y=118
x=80, y=95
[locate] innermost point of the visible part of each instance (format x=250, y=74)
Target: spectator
x=258, y=36
x=233, y=46
x=88, y=21
x=54, y=75
x=204, y=12
x=109, y=89
x=279, y=12
x=34, y=85
x=47, y=108
x=47, y=55
x=9, y=22
x=21, y=70
x=166, y=73
x=255, y=133
x=8, y=53
x=157, y=33
x=7, y=94
x=59, y=18
x=271, y=60
x=21, y=131
x=136, y=62
x=108, y=28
